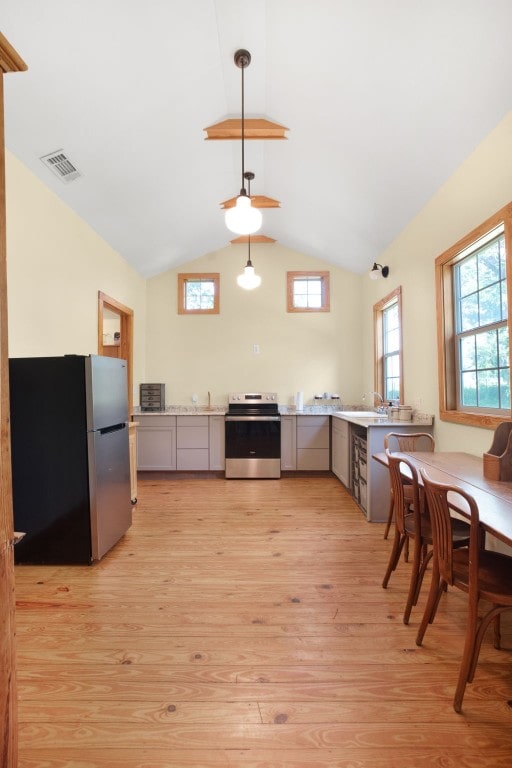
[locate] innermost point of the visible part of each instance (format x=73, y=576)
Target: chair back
x=441, y=524
x=397, y=479
x=409, y=442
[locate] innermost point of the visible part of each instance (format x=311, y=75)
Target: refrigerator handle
x=112, y=428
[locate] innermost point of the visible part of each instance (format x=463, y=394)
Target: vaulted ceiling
x=382, y=99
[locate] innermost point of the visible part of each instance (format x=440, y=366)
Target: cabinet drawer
x=192, y=459
x=313, y=436
x=192, y=437
x=156, y=421
x=312, y=421
x=192, y=421
x=311, y=458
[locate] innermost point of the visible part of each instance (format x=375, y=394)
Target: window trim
x=326, y=291
x=185, y=277
x=446, y=358
x=378, y=339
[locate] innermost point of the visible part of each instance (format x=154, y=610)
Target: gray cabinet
x=340, y=450
x=217, y=441
x=192, y=442
x=156, y=442
x=288, y=443
x=313, y=442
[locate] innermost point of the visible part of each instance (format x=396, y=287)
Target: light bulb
x=248, y=279
x=374, y=273
x=242, y=218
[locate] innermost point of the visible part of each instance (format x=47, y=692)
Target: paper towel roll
x=299, y=401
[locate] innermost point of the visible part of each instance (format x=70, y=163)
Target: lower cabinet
x=217, y=442
x=156, y=442
x=313, y=442
x=340, y=450
x=288, y=443
x=192, y=442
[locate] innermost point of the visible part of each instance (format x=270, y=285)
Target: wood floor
x=243, y=623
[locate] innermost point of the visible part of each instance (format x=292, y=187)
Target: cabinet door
x=217, y=440
x=341, y=450
x=288, y=443
x=156, y=448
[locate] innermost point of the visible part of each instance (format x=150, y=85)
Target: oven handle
x=253, y=418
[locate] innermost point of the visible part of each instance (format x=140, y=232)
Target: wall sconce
x=378, y=271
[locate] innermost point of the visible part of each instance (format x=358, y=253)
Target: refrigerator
x=70, y=457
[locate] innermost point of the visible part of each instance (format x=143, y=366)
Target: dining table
x=464, y=470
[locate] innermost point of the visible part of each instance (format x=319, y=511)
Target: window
x=387, y=316
x=198, y=293
x=472, y=283
x=308, y=291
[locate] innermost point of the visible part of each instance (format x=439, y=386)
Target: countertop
x=284, y=410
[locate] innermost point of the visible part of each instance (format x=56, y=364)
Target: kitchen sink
x=362, y=414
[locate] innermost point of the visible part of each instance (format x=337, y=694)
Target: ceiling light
x=378, y=271
x=243, y=219
x=249, y=279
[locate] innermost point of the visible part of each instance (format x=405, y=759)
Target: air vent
x=61, y=166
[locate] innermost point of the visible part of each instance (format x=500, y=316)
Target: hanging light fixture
x=249, y=279
x=243, y=218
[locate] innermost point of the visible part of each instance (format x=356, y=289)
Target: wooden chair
x=483, y=575
x=412, y=523
x=405, y=443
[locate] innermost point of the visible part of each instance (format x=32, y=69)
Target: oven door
x=253, y=446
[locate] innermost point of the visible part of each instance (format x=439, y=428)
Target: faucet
x=209, y=401
x=381, y=408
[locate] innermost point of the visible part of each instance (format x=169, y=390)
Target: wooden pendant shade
x=254, y=128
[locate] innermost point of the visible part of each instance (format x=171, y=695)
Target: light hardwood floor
x=243, y=623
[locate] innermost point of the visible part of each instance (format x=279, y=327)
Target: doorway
x=115, y=335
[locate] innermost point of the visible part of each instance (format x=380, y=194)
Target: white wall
x=311, y=352
x=480, y=187
x=56, y=264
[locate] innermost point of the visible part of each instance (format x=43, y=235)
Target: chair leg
x=469, y=655
x=390, y=515
x=434, y=595
x=398, y=544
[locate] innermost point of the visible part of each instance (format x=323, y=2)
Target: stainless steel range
x=253, y=435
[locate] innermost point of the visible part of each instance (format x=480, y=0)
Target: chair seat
x=494, y=575
x=460, y=530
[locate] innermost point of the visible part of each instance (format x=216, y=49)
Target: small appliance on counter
x=152, y=397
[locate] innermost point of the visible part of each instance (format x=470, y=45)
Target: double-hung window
x=387, y=315
x=474, y=339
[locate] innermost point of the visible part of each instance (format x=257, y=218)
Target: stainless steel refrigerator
x=70, y=457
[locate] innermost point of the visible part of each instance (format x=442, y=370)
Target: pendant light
x=249, y=279
x=242, y=218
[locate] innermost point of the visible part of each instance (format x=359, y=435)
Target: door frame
x=126, y=341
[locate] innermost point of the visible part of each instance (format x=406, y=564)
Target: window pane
x=503, y=347
x=468, y=389
x=490, y=304
x=488, y=390
x=307, y=292
x=487, y=350
x=489, y=264
x=467, y=274
x=468, y=353
x=199, y=294
x=505, y=388
x=468, y=312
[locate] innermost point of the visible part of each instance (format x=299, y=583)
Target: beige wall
x=479, y=187
x=56, y=264
x=318, y=352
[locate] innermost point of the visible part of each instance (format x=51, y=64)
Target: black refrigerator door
x=49, y=460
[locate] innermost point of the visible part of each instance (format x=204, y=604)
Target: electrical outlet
x=255, y=349
x=194, y=398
